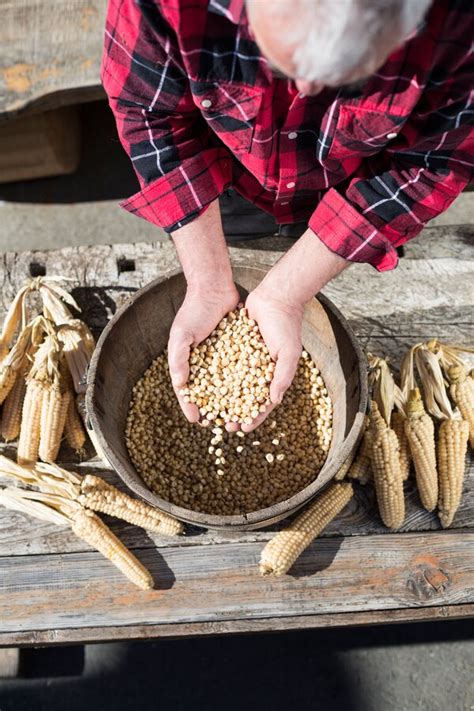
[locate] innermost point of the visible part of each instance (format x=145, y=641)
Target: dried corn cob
x=342, y=472
x=387, y=473
x=7, y=381
x=462, y=392
x=14, y=362
x=282, y=551
x=53, y=418
x=398, y=426
x=360, y=469
x=12, y=409
x=98, y=495
x=73, y=429
x=28, y=443
x=93, y=493
x=452, y=445
x=87, y=526
x=419, y=429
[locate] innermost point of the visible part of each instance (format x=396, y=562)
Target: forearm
x=303, y=271
x=202, y=251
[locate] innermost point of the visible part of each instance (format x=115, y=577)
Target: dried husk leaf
x=35, y=504
x=434, y=389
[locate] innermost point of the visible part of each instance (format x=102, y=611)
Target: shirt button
x=391, y=136
x=206, y=104
x=290, y=185
x=292, y=135
x=285, y=202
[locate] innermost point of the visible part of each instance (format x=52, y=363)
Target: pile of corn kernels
x=177, y=460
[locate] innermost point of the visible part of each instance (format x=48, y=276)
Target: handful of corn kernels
x=231, y=372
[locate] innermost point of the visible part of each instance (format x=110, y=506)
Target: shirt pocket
x=362, y=132
x=230, y=110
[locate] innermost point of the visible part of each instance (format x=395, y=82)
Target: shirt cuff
x=345, y=231
x=182, y=194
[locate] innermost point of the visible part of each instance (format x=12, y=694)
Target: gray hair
x=331, y=40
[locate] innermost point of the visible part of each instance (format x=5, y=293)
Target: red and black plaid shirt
x=199, y=111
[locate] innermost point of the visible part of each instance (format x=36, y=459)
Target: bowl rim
x=260, y=517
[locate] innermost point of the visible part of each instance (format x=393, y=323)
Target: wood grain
x=82, y=635
x=51, y=52
x=334, y=576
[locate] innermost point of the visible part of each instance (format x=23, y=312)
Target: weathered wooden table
x=55, y=590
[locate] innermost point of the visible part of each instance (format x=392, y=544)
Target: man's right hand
x=211, y=294
x=199, y=314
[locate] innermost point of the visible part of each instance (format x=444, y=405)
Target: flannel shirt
x=198, y=111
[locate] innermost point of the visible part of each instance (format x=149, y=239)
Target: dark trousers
x=243, y=220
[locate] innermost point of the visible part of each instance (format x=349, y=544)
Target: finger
x=285, y=370
x=179, y=346
x=190, y=411
x=258, y=420
x=232, y=426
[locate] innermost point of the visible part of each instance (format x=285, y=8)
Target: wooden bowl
x=139, y=331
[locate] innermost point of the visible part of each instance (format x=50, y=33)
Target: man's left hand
x=280, y=325
x=277, y=306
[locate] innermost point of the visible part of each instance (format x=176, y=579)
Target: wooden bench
x=50, y=54
x=54, y=590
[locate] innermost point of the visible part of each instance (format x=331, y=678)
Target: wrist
x=303, y=271
x=203, y=253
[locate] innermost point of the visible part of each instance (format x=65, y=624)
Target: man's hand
x=199, y=314
x=210, y=295
x=277, y=306
x=280, y=325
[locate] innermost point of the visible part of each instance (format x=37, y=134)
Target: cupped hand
x=199, y=314
x=280, y=324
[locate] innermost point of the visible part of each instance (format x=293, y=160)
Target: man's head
x=331, y=42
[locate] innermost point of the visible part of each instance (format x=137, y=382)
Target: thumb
x=285, y=369
x=179, y=348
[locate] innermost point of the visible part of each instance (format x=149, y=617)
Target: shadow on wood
x=316, y=558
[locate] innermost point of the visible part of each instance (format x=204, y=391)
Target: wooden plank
x=83, y=635
x=51, y=51
x=22, y=535
x=221, y=583
x=40, y=146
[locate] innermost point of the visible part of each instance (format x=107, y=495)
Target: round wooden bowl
x=139, y=331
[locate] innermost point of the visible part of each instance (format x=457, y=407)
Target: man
x=351, y=116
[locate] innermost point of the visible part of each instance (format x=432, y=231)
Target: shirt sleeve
x=393, y=195
x=180, y=168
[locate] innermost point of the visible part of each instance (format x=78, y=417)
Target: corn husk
x=383, y=385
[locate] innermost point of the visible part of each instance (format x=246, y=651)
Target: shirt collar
x=234, y=10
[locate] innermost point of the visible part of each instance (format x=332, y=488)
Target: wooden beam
x=98, y=633
x=41, y=68
x=40, y=146
x=218, y=584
